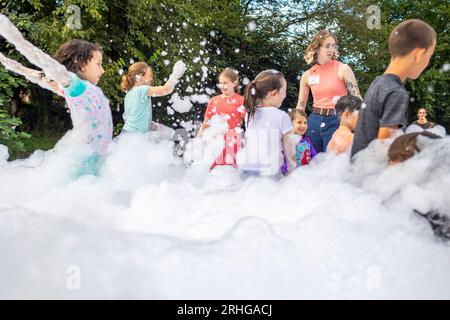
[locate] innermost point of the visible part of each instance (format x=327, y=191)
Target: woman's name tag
x=313, y=80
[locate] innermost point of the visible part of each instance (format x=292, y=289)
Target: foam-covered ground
x=148, y=227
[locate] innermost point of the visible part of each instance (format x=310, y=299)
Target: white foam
x=148, y=227
x=180, y=104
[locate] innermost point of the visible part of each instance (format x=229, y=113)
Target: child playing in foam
x=347, y=109
x=412, y=44
x=230, y=105
x=138, y=84
x=268, y=128
x=304, y=149
x=74, y=75
x=402, y=149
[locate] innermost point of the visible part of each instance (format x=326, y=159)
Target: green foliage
x=215, y=34
x=365, y=50
x=8, y=83
x=8, y=135
x=118, y=128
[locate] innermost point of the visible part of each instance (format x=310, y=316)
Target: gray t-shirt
x=385, y=104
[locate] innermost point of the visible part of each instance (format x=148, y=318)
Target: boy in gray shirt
x=411, y=44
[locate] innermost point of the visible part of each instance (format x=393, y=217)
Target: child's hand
x=178, y=69
x=177, y=72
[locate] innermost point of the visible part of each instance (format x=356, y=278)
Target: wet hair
x=406, y=146
x=297, y=113
x=135, y=71
x=75, y=54
x=349, y=103
x=317, y=40
x=259, y=88
x=409, y=35
x=232, y=75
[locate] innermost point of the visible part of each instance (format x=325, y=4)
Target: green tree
x=249, y=35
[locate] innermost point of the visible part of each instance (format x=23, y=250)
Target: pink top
x=325, y=84
x=230, y=106
x=233, y=108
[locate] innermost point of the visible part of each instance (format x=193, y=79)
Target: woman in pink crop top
x=328, y=80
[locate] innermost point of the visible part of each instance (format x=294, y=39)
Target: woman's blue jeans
x=321, y=129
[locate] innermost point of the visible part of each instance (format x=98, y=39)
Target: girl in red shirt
x=230, y=105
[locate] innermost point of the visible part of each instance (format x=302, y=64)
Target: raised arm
x=350, y=80
x=160, y=91
x=34, y=76
x=304, y=92
x=51, y=68
x=177, y=72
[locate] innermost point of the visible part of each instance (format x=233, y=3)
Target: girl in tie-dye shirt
x=90, y=112
x=74, y=75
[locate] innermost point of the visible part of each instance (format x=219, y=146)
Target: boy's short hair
x=409, y=35
x=348, y=103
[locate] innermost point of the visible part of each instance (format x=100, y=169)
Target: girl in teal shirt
x=138, y=86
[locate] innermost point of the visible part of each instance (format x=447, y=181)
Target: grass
x=37, y=141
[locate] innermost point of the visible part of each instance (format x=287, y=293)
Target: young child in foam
x=230, y=105
x=407, y=145
x=138, y=85
x=74, y=75
x=404, y=148
x=268, y=127
x=411, y=44
x=347, y=109
x=304, y=149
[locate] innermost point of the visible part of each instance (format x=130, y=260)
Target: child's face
x=300, y=125
x=227, y=86
x=421, y=60
x=93, y=70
